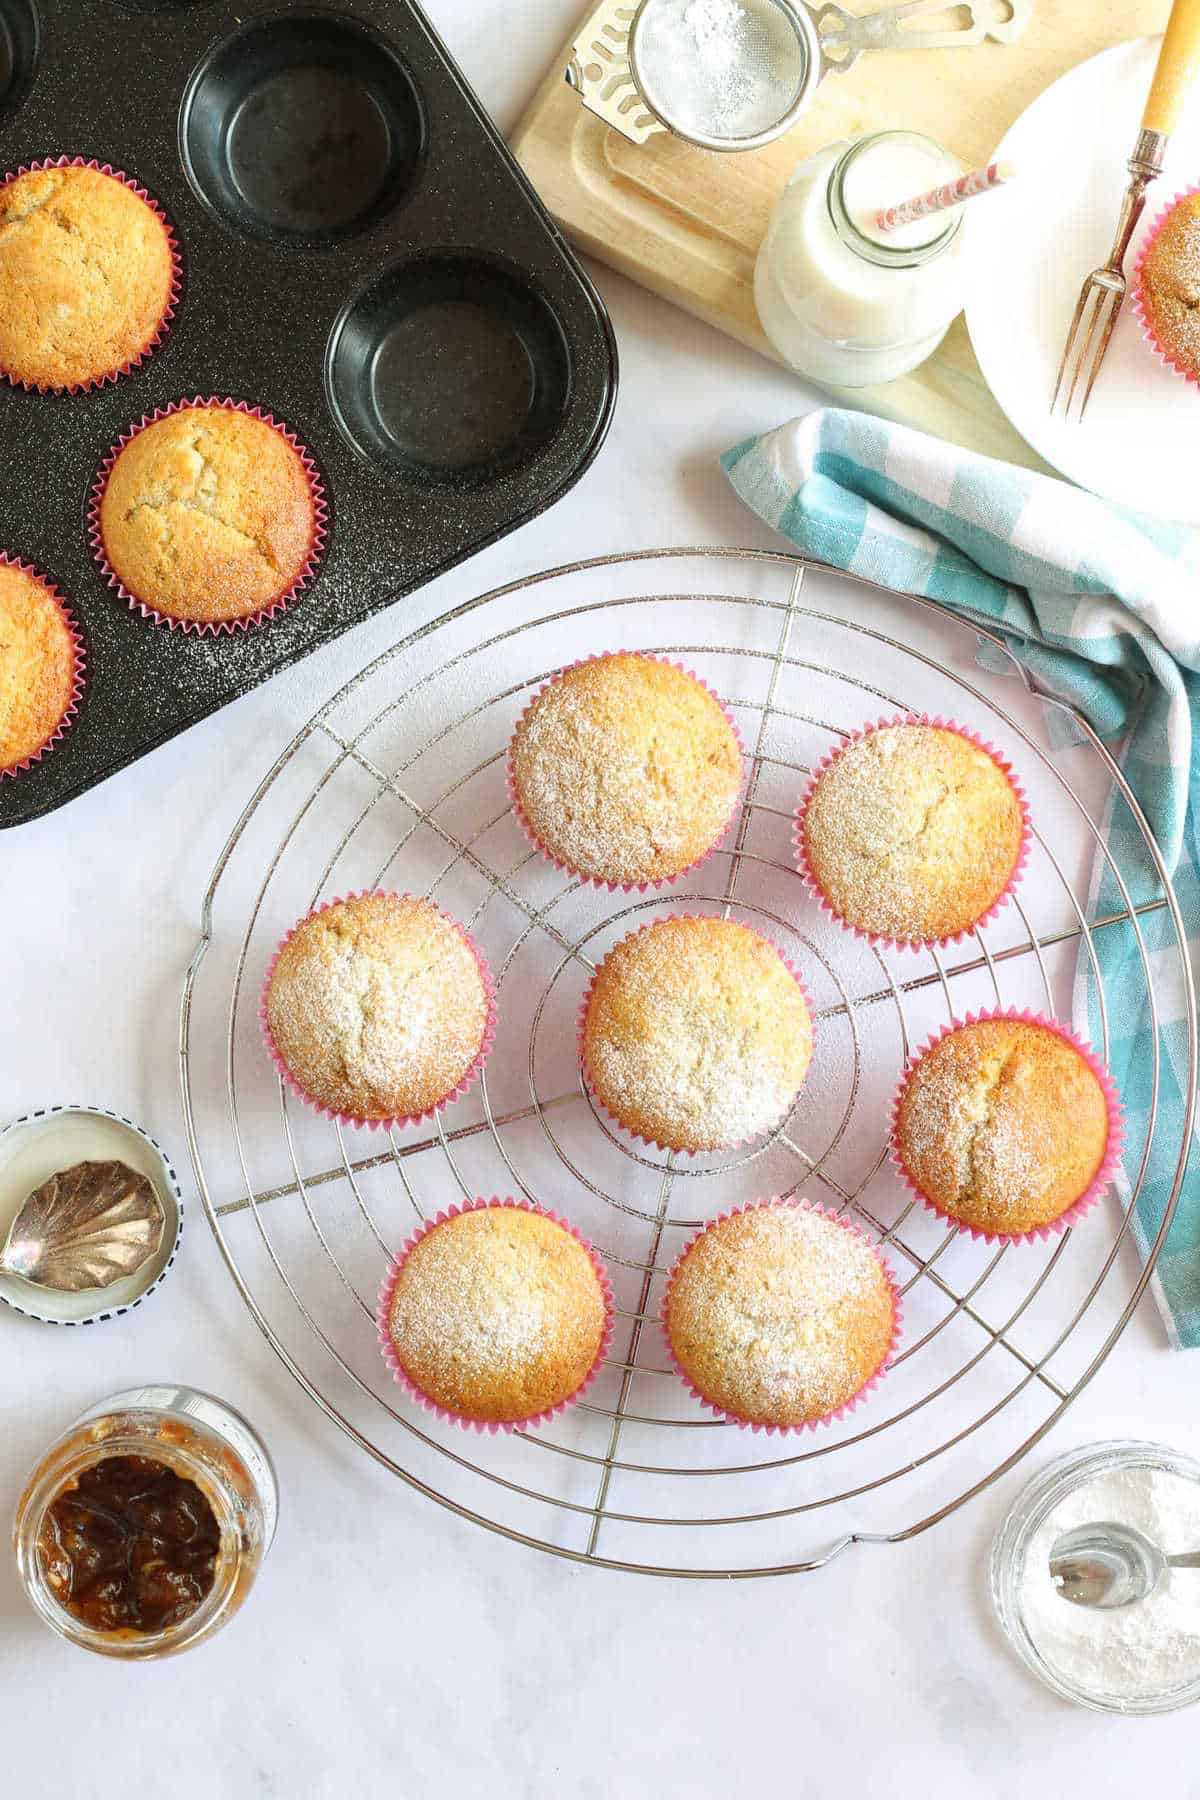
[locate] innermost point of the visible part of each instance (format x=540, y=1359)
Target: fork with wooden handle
x=1103, y=292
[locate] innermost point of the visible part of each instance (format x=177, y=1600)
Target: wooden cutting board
x=687, y=223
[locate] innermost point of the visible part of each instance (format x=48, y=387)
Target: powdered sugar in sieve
x=721, y=71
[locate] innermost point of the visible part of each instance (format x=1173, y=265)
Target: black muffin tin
x=361, y=257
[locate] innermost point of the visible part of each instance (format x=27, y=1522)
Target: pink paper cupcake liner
x=78, y=672
x=1112, y=1149
x=813, y=885
x=1165, y=356
x=637, y=1137
x=856, y=1399
x=169, y=311
x=344, y=1118
x=622, y=887
x=213, y=627
x=384, y=1309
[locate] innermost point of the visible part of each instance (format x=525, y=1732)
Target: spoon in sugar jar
x=1106, y=1565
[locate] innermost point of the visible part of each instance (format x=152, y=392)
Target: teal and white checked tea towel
x=1103, y=607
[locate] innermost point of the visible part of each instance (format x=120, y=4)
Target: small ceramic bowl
x=39, y=1145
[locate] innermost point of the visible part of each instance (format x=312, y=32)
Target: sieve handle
x=844, y=36
x=599, y=70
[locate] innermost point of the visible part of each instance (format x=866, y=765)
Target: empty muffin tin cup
x=449, y=369
x=306, y=128
x=19, y=41
x=41, y=1144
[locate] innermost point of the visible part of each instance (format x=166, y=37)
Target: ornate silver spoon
x=86, y=1227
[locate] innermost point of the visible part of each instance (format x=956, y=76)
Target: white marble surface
x=390, y=1648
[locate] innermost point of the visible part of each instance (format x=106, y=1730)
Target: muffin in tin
x=208, y=514
x=39, y=665
x=87, y=275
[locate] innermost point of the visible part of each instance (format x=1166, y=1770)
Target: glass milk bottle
x=841, y=300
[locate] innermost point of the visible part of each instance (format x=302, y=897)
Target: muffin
x=378, y=1008
x=496, y=1314
x=39, y=666
x=87, y=276
x=696, y=1034
x=778, y=1316
x=1005, y=1125
x=208, y=514
x=1167, y=289
x=912, y=832
x=625, y=769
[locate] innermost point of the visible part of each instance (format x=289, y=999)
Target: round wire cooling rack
x=399, y=781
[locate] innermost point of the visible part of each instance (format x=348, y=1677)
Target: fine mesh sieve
x=735, y=74
x=727, y=70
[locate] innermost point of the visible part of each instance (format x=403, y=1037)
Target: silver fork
x=1103, y=293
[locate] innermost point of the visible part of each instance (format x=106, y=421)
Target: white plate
x=1028, y=249
x=35, y=1147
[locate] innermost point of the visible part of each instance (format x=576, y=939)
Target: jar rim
x=884, y=256
x=1019, y=1526
x=53, y=1477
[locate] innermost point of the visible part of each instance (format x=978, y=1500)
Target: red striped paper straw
x=951, y=193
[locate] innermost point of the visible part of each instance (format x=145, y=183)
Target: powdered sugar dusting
x=952, y=1122
x=718, y=27
x=378, y=1006
x=475, y=1306
x=626, y=769
x=1170, y=282
x=1128, y=1653
x=497, y=1312
x=780, y=1314
x=726, y=69
x=912, y=831
x=1003, y=1123
x=697, y=1035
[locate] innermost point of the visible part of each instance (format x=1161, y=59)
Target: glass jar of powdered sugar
x=1140, y=1658
x=842, y=300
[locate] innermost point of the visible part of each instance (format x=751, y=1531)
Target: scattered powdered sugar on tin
x=1133, y=1652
